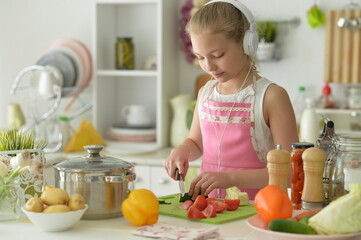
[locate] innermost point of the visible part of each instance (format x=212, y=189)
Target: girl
x=240, y=115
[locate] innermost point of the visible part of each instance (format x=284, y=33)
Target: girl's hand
x=206, y=182
x=178, y=159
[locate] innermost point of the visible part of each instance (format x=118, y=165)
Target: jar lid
x=125, y=38
x=93, y=161
x=302, y=145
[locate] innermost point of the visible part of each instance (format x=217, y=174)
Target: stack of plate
x=132, y=134
x=73, y=59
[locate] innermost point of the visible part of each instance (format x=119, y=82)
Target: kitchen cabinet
x=152, y=25
x=156, y=179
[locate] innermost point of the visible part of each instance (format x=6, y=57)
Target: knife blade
x=180, y=182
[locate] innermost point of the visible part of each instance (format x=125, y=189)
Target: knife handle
x=178, y=176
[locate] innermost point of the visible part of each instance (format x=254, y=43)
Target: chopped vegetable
x=235, y=193
x=163, y=202
x=272, y=203
x=184, y=198
x=307, y=213
x=219, y=206
x=186, y=205
x=232, y=204
x=341, y=216
x=195, y=213
x=209, y=211
x=200, y=202
x=141, y=207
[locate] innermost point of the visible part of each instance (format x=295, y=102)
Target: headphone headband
x=250, y=40
x=247, y=13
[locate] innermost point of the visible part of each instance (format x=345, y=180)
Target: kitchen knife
x=180, y=182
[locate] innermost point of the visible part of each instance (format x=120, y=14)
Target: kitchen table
x=116, y=228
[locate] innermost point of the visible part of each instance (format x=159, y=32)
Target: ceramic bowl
x=55, y=222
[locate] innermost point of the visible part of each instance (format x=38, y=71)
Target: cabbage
x=341, y=216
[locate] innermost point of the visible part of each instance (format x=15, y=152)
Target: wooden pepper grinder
x=313, y=195
x=278, y=164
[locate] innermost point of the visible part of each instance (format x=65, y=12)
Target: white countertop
x=117, y=228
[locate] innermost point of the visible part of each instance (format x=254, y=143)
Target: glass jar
x=353, y=94
x=346, y=164
x=124, y=53
x=297, y=172
x=11, y=201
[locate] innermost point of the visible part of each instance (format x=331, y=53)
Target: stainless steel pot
x=102, y=180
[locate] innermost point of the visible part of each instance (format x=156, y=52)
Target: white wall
x=27, y=27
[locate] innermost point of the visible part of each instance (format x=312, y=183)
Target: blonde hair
x=220, y=17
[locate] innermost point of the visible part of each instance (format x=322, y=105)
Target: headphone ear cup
x=250, y=43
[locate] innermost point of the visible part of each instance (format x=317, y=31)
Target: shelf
x=142, y=20
x=125, y=1
x=127, y=73
x=336, y=111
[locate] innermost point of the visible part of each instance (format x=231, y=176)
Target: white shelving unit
x=344, y=119
x=152, y=24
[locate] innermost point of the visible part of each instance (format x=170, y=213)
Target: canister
x=124, y=53
x=345, y=165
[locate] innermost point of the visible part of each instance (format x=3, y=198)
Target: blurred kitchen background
x=28, y=27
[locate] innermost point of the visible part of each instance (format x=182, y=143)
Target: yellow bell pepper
x=141, y=207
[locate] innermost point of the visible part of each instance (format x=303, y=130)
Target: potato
x=57, y=208
x=53, y=196
x=34, y=205
x=76, y=202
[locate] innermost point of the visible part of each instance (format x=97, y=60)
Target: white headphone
x=250, y=40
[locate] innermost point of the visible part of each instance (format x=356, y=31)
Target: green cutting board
x=174, y=210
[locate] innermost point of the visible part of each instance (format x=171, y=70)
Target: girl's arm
x=279, y=116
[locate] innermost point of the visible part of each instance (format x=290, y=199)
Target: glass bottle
x=297, y=179
x=326, y=99
x=310, y=123
x=299, y=105
x=346, y=165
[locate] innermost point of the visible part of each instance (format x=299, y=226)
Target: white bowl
x=55, y=222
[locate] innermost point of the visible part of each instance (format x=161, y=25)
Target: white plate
x=74, y=57
x=258, y=225
x=132, y=131
x=128, y=148
x=64, y=63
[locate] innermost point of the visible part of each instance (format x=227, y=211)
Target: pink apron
x=236, y=149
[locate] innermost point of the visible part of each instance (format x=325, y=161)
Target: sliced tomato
x=219, y=206
x=200, y=202
x=211, y=199
x=209, y=211
x=186, y=205
x=232, y=204
x=195, y=213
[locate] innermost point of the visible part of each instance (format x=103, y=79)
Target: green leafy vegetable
x=341, y=216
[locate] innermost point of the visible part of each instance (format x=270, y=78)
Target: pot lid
x=93, y=161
